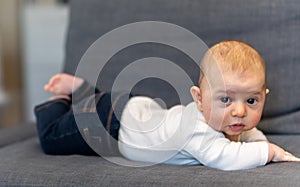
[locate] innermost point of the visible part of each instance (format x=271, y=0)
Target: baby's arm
x=277, y=154
x=214, y=150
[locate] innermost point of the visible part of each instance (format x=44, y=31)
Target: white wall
x=43, y=33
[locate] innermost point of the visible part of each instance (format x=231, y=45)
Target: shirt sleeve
x=253, y=135
x=212, y=149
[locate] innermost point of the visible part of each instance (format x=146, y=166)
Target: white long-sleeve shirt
x=181, y=136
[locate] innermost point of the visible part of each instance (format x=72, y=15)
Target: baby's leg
x=63, y=84
x=58, y=131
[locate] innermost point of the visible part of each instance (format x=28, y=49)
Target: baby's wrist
x=271, y=153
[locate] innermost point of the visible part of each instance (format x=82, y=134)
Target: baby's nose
x=239, y=110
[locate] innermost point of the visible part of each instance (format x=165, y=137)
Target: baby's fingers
x=290, y=158
x=294, y=159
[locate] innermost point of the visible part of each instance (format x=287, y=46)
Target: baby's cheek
x=218, y=119
x=255, y=118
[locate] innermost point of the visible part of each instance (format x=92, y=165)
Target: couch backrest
x=271, y=26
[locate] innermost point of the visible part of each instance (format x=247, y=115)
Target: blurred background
x=32, y=41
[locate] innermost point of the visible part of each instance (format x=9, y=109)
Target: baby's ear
x=196, y=94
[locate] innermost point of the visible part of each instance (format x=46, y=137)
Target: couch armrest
x=17, y=133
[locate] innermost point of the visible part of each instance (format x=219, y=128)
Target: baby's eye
x=251, y=101
x=225, y=99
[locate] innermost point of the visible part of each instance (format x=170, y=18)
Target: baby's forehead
x=234, y=80
x=220, y=73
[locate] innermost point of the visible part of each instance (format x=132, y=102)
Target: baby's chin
x=234, y=138
x=229, y=133
x=233, y=131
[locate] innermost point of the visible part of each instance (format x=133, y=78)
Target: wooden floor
x=11, y=112
x=11, y=64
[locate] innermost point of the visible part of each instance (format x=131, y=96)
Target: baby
x=218, y=129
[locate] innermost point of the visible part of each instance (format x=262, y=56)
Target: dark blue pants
x=90, y=127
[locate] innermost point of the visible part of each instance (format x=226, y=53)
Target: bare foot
x=63, y=84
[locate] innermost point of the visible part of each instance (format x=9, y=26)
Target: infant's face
x=235, y=105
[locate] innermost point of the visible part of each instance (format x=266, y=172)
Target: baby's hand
x=277, y=154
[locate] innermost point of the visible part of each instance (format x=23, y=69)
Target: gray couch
x=271, y=26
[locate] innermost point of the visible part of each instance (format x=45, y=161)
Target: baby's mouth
x=237, y=127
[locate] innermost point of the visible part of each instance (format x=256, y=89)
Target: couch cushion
x=17, y=133
x=23, y=164
x=271, y=26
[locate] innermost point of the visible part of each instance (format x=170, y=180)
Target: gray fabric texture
x=271, y=26
x=23, y=164
x=17, y=133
